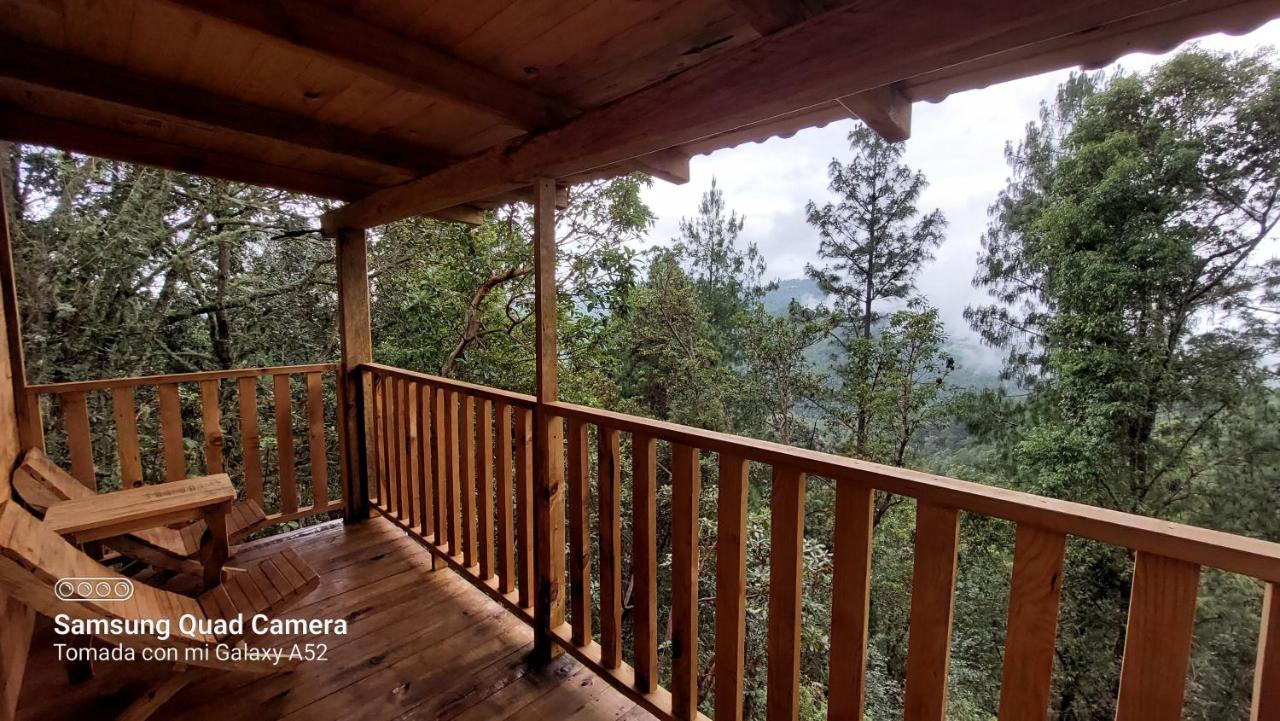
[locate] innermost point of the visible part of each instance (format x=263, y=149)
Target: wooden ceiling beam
x=839, y=53
x=885, y=109
x=66, y=73
x=392, y=58
x=670, y=165
x=23, y=127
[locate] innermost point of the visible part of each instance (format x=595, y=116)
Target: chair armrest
x=118, y=513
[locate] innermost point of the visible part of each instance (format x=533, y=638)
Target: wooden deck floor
x=421, y=644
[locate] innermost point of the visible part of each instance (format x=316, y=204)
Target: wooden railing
x=453, y=464
x=189, y=437
x=439, y=442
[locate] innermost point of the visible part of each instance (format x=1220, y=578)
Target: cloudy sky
x=958, y=144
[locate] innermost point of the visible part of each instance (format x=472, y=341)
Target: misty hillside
x=976, y=365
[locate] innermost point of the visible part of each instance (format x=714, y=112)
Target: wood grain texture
x=1033, y=623
x=524, y=505
x=579, y=531
x=211, y=426
x=426, y=508
x=504, y=561
x=467, y=477
x=731, y=586
x=484, y=486
x=316, y=446
x=452, y=474
x=932, y=603
x=644, y=560
x=250, y=437
x=685, y=488
x=285, y=460
x=786, y=571
x=440, y=442
x=75, y=414
x=1157, y=644
x=356, y=346
x=850, y=601
x=126, y=418
x=609, y=490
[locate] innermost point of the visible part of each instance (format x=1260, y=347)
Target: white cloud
x=958, y=144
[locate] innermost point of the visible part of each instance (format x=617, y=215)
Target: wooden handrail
x=1206, y=547
x=512, y=398
x=133, y=381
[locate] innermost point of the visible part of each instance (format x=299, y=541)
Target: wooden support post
x=548, y=447
x=16, y=619
x=30, y=428
x=355, y=387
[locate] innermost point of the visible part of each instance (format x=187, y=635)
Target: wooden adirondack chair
x=40, y=482
x=33, y=559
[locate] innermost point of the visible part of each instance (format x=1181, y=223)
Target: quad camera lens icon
x=97, y=590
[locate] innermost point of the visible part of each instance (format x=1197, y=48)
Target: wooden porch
x=410, y=109
x=422, y=644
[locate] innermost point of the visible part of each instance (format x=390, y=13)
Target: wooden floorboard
x=421, y=644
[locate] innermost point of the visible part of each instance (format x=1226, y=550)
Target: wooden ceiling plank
x=844, y=51
x=382, y=54
x=23, y=127
x=886, y=110
x=58, y=71
x=770, y=16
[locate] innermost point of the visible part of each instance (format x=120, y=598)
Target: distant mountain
x=977, y=366
x=803, y=290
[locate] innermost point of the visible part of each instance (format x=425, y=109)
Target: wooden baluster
x=685, y=482
x=786, y=572
x=451, y=431
x=467, y=478
x=644, y=560
x=250, y=437
x=379, y=442
x=211, y=422
x=409, y=454
x=850, y=597
x=427, y=495
x=506, y=520
x=409, y=407
x=284, y=443
x=484, y=484
x=1033, y=623
x=579, y=497
x=126, y=417
x=315, y=441
x=524, y=505
x=395, y=415
x=1157, y=643
x=731, y=586
x=932, y=602
x=440, y=437
x=175, y=451
x=75, y=413
x=1266, y=672
x=609, y=489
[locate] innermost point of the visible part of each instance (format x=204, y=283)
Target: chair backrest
x=53, y=477
x=34, y=559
